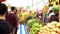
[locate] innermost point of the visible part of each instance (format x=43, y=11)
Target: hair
x=3, y=9
x=57, y=3
x=12, y=8
x=16, y=11
x=50, y=5
x=50, y=11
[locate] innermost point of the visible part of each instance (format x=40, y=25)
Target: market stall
x=36, y=21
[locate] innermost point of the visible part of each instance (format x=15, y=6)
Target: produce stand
x=34, y=27
x=50, y=28
x=28, y=24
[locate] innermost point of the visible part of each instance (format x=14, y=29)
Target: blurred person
x=12, y=19
x=5, y=27
x=52, y=16
x=16, y=11
x=17, y=20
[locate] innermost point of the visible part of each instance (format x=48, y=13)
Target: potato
x=48, y=24
x=44, y=33
x=44, y=28
x=49, y=29
x=58, y=30
x=54, y=23
x=58, y=25
x=39, y=33
x=51, y=26
x=54, y=29
x=48, y=32
x=53, y=32
x=58, y=33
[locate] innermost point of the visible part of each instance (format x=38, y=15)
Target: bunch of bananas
x=22, y=16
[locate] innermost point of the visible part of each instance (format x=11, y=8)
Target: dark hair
x=3, y=9
x=57, y=3
x=50, y=5
x=12, y=8
x=16, y=11
x=50, y=11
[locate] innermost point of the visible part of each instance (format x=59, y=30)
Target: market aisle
x=22, y=29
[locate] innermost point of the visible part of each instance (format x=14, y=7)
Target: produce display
x=29, y=17
x=50, y=28
x=22, y=16
x=55, y=9
x=53, y=2
x=35, y=28
x=31, y=22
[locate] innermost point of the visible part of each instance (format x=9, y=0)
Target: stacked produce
x=34, y=26
x=51, y=28
x=31, y=22
x=55, y=9
x=22, y=16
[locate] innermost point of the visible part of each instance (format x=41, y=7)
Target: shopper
x=5, y=27
x=52, y=16
x=12, y=19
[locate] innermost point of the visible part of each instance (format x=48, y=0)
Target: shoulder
x=5, y=26
x=4, y=22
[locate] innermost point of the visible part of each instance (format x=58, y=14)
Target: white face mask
x=39, y=16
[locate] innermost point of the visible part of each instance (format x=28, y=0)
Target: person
x=5, y=27
x=52, y=16
x=12, y=19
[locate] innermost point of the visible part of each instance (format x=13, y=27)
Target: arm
x=15, y=20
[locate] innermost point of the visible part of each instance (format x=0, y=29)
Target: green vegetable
x=29, y=17
x=31, y=22
x=36, y=27
x=55, y=8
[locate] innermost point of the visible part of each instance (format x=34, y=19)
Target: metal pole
x=37, y=5
x=32, y=3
